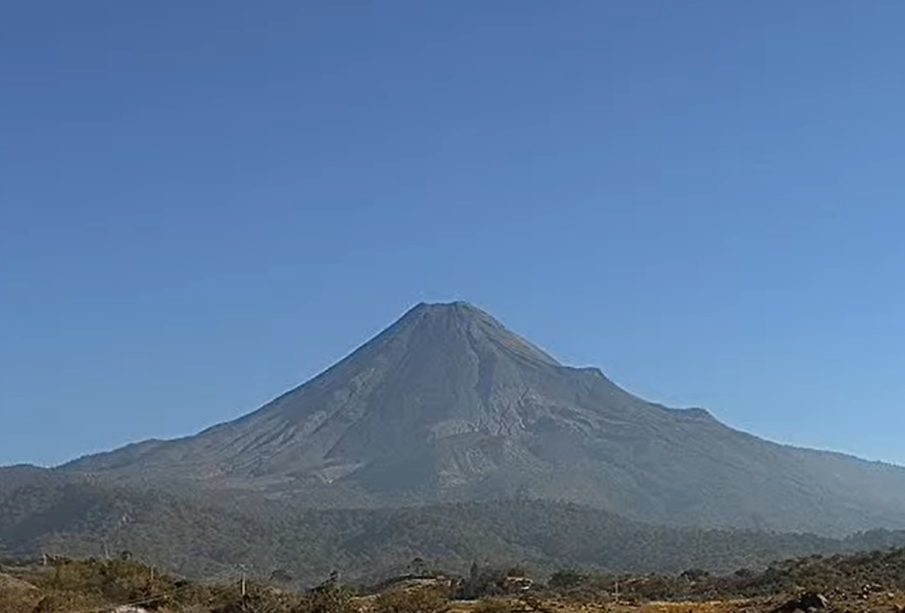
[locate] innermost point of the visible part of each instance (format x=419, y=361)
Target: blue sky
x=203, y=204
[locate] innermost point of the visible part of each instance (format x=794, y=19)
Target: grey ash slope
x=447, y=404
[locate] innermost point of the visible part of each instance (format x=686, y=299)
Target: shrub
x=329, y=599
x=494, y=605
x=423, y=600
x=566, y=579
x=64, y=601
x=16, y=601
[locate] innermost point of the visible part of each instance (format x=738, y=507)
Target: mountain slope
x=22, y=475
x=199, y=539
x=446, y=404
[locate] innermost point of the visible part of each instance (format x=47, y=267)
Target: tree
x=280, y=576
x=695, y=574
x=418, y=567
x=566, y=579
x=329, y=599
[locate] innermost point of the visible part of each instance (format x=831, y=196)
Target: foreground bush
x=423, y=600
x=332, y=599
x=494, y=605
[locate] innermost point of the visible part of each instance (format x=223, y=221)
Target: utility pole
x=244, y=581
x=123, y=520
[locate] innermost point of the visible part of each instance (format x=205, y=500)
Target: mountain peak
x=459, y=308
x=454, y=304
x=444, y=325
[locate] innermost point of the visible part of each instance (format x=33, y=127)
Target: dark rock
x=809, y=601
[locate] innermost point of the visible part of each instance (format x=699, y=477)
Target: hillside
x=448, y=405
x=199, y=539
x=15, y=477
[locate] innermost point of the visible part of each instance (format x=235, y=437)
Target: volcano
x=448, y=405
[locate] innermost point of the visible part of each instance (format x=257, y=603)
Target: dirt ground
x=878, y=603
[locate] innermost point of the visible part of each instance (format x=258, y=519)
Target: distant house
x=517, y=583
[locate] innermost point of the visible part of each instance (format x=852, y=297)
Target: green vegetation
x=420, y=600
x=201, y=537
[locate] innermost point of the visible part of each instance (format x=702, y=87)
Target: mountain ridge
x=446, y=404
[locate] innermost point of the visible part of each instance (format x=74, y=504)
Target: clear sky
x=203, y=204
